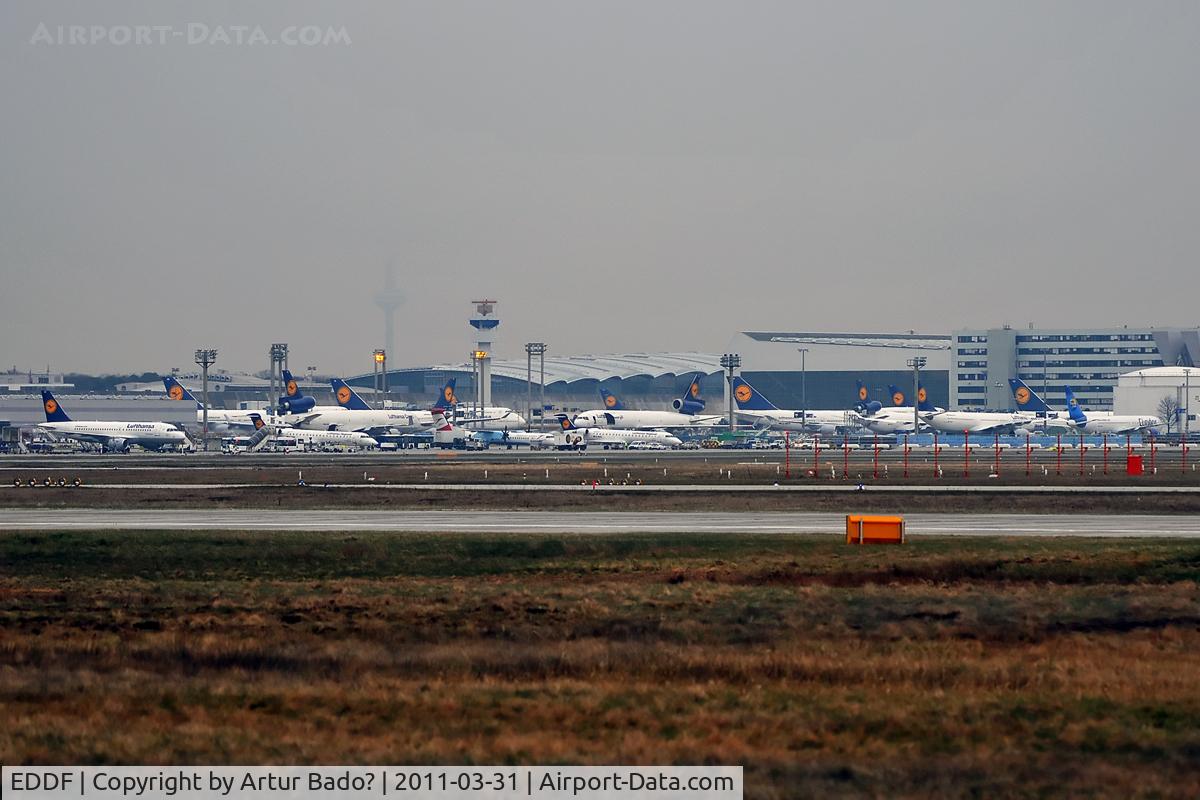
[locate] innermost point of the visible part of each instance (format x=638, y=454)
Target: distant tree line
x=102, y=384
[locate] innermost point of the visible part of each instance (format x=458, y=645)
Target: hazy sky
x=620, y=175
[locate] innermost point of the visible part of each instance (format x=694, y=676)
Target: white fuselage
x=492, y=418
x=119, y=435
x=632, y=420
x=582, y=437
x=1113, y=424
x=516, y=439
x=329, y=438
x=975, y=421
x=823, y=423
x=895, y=419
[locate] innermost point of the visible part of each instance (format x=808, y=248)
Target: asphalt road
x=1179, y=526
x=653, y=488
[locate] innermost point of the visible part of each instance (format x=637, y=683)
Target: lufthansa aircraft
x=576, y=438
x=752, y=405
x=111, y=435
x=615, y=415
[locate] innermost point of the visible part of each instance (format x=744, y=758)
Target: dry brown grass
x=943, y=668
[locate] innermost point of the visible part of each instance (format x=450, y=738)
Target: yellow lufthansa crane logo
x=610, y=401
x=343, y=394
x=862, y=393
x=898, y=399
x=921, y=394
x=175, y=392
x=1022, y=396
x=258, y=423
x=695, y=390
x=448, y=394
x=742, y=393
x=51, y=406
x=566, y=424
x=292, y=389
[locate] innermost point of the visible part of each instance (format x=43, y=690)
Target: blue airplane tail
x=293, y=402
x=54, y=412
x=611, y=401
x=446, y=397
x=748, y=398
x=347, y=397
x=898, y=397
x=1073, y=409
x=1027, y=399
x=865, y=404
x=923, y=403
x=290, y=387
x=565, y=423
x=691, y=402
x=177, y=391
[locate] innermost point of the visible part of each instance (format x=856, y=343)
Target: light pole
x=1187, y=402
x=381, y=365
x=532, y=349
x=479, y=356
x=917, y=365
x=731, y=362
x=803, y=387
x=205, y=358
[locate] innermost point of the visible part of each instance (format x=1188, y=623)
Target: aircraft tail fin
x=1073, y=409
x=611, y=401
x=898, y=397
x=748, y=398
x=565, y=423
x=1027, y=399
x=347, y=397
x=54, y=412
x=446, y=397
x=691, y=402
x=923, y=403
x=177, y=391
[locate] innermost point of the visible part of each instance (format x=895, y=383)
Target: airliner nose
x=674, y=441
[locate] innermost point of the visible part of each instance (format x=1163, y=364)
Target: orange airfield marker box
x=863, y=529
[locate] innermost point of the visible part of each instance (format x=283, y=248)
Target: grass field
x=946, y=667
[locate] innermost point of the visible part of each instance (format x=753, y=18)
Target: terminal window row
x=1088, y=337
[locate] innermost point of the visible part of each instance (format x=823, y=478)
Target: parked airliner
x=615, y=415
x=111, y=435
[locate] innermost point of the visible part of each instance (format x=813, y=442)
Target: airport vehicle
x=111, y=435
x=1113, y=424
x=219, y=419
x=318, y=439
x=575, y=438
x=686, y=412
x=753, y=406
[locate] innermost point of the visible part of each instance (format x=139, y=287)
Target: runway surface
x=734, y=488
x=1178, y=526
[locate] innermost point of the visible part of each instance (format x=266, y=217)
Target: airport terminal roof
x=601, y=367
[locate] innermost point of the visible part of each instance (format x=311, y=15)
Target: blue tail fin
x=865, y=404
x=748, y=398
x=898, y=397
x=54, y=412
x=1073, y=409
x=290, y=387
x=177, y=391
x=446, y=397
x=347, y=397
x=1027, y=399
x=691, y=402
x=923, y=403
x=565, y=423
x=611, y=401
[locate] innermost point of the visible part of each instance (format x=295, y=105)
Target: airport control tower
x=485, y=326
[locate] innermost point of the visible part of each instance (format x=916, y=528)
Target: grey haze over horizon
x=620, y=176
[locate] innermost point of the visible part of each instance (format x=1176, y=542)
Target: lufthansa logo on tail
x=862, y=393
x=921, y=394
x=258, y=423
x=51, y=406
x=742, y=393
x=898, y=399
x=448, y=394
x=1022, y=396
x=292, y=389
x=566, y=424
x=175, y=392
x=695, y=390
x=610, y=401
x=343, y=394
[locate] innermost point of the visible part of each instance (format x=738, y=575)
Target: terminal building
x=1089, y=360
